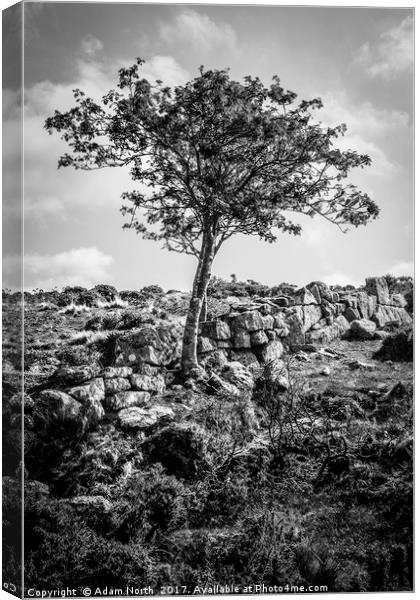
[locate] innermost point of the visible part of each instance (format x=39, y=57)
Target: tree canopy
x=217, y=157
x=237, y=155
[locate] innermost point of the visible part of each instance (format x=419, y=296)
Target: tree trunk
x=202, y=276
x=204, y=308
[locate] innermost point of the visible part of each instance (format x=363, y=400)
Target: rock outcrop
x=363, y=329
x=141, y=418
x=312, y=314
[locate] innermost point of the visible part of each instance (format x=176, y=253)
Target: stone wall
x=82, y=395
x=313, y=314
x=250, y=334
x=132, y=391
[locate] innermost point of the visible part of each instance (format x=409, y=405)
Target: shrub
x=111, y=321
x=12, y=524
x=131, y=319
x=108, y=292
x=409, y=297
x=65, y=299
x=50, y=440
x=61, y=547
x=230, y=425
x=397, y=347
x=218, y=288
x=95, y=323
x=150, y=291
x=180, y=449
x=254, y=288
x=106, y=345
x=88, y=298
x=132, y=296
x=317, y=566
x=106, y=321
x=75, y=290
x=77, y=354
x=96, y=463
x=76, y=295
x=149, y=502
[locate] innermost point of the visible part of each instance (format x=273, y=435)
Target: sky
x=358, y=60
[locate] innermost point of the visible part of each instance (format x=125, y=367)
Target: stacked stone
x=390, y=307
x=251, y=330
x=253, y=334
x=313, y=314
x=87, y=392
x=153, y=345
x=80, y=403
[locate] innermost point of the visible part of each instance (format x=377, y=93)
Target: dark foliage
x=227, y=494
x=107, y=292
x=397, y=346
x=107, y=349
x=76, y=355
x=180, y=449
x=303, y=485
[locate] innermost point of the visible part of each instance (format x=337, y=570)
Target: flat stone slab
x=116, y=372
x=75, y=375
x=141, y=418
x=117, y=384
x=125, y=400
x=94, y=389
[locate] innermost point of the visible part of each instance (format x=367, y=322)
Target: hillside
x=288, y=460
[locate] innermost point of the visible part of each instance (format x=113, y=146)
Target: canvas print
x=207, y=299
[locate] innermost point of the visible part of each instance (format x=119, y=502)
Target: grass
x=117, y=302
x=46, y=306
x=74, y=309
x=88, y=337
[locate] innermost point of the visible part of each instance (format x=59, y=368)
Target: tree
x=219, y=158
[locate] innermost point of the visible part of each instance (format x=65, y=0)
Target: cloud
x=199, y=33
x=361, y=118
x=402, y=268
x=392, y=54
x=78, y=266
x=49, y=192
x=369, y=128
x=91, y=45
x=44, y=205
x=381, y=164
x=95, y=76
x=339, y=279
x=166, y=69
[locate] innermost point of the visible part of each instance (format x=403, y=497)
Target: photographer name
x=127, y=591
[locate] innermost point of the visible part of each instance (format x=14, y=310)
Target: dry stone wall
x=133, y=397
x=133, y=390
x=250, y=335
x=312, y=314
